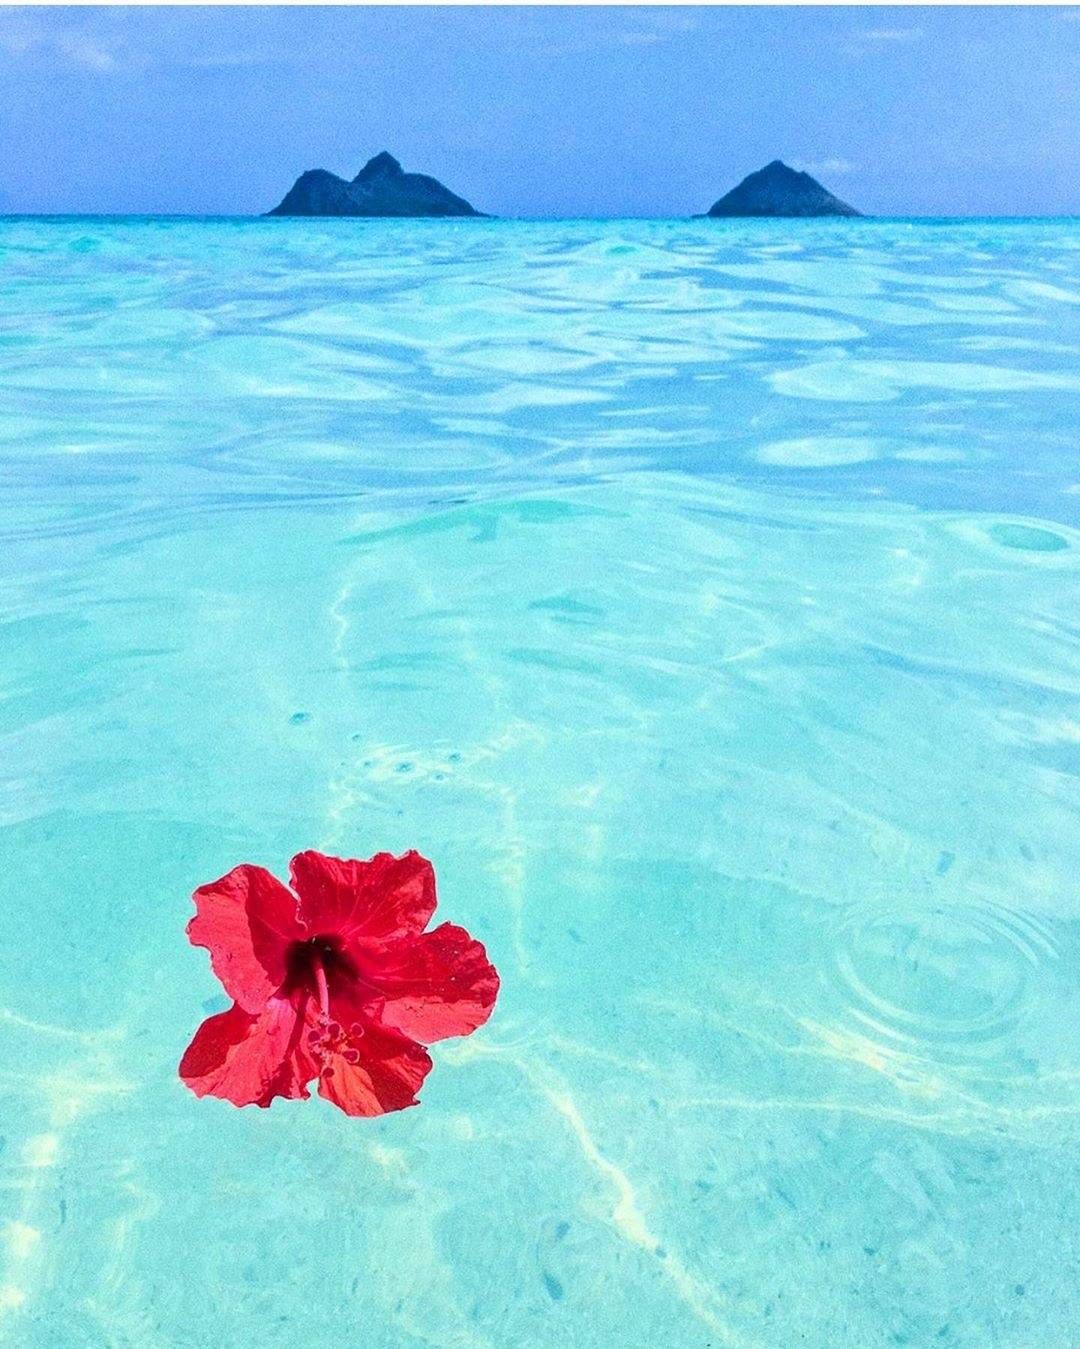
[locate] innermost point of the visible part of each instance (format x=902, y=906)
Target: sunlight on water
x=702, y=599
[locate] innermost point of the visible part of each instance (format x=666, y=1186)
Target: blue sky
x=542, y=111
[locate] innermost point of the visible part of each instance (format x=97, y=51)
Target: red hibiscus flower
x=337, y=981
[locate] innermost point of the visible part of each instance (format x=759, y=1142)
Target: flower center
x=311, y=966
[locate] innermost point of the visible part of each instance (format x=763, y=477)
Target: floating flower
x=337, y=982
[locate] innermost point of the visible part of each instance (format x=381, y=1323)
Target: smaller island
x=779, y=191
x=381, y=188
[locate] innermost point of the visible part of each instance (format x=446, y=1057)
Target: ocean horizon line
x=482, y=220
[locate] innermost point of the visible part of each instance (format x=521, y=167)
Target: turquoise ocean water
x=702, y=598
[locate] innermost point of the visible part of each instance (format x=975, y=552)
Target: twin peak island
x=383, y=188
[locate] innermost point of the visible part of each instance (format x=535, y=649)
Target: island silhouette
x=777, y=190
x=381, y=188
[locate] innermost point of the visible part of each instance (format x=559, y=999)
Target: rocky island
x=777, y=190
x=381, y=188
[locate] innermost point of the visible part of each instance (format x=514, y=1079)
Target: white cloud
x=882, y=36
x=27, y=36
x=653, y=27
x=657, y=28
x=82, y=52
x=676, y=23
x=830, y=168
x=867, y=40
x=21, y=35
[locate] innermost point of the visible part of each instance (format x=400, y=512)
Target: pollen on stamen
x=351, y=1055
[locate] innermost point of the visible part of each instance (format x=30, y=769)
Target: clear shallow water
x=702, y=599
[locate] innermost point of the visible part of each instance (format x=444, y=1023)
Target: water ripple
x=957, y=981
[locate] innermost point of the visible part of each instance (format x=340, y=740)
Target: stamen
x=320, y=981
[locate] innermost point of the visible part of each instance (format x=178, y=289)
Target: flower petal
x=247, y=920
x=384, y=899
x=387, y=1077
x=435, y=985
x=249, y=1059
